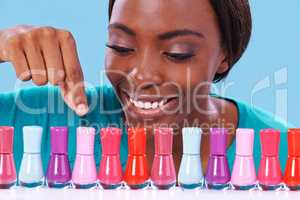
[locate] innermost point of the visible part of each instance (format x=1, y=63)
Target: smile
x=147, y=106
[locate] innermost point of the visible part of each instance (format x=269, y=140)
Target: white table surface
x=177, y=193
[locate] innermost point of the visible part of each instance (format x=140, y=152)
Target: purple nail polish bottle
x=217, y=173
x=59, y=172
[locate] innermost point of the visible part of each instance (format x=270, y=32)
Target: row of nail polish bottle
x=243, y=176
x=269, y=173
x=163, y=175
x=31, y=170
x=136, y=175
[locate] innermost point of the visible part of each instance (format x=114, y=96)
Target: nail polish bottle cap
x=137, y=141
x=32, y=136
x=294, y=142
x=269, y=139
x=163, y=138
x=191, y=140
x=111, y=140
x=85, y=140
x=244, y=142
x=59, y=140
x=218, y=141
x=6, y=139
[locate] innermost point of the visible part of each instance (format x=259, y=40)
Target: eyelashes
x=120, y=50
x=179, y=56
x=124, y=51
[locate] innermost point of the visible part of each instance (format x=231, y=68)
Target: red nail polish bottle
x=136, y=174
x=8, y=176
x=292, y=171
x=110, y=172
x=269, y=173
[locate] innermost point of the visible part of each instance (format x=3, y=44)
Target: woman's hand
x=46, y=54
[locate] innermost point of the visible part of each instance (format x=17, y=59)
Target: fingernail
x=82, y=109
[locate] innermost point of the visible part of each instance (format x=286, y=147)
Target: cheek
x=194, y=77
x=191, y=74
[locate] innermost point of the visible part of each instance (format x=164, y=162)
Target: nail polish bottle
x=136, y=175
x=163, y=174
x=292, y=171
x=110, y=172
x=8, y=176
x=243, y=175
x=217, y=172
x=59, y=172
x=269, y=172
x=31, y=173
x=84, y=174
x=190, y=171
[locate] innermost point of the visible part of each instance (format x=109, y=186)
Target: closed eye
x=179, y=56
x=120, y=50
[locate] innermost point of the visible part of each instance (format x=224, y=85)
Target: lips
x=150, y=106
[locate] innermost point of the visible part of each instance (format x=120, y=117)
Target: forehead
x=158, y=16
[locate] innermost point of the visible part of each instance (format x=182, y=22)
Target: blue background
x=274, y=47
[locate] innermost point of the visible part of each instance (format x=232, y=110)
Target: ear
x=223, y=66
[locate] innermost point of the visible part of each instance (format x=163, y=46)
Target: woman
x=161, y=58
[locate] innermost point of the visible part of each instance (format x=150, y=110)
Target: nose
x=147, y=71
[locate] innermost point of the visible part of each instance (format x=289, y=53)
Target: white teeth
x=147, y=105
x=154, y=105
x=140, y=104
x=135, y=103
x=161, y=103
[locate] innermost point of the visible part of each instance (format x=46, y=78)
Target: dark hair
x=235, y=23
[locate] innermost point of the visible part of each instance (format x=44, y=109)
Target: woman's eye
x=179, y=56
x=120, y=50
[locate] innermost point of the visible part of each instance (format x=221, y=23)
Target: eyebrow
x=163, y=36
x=123, y=28
x=179, y=33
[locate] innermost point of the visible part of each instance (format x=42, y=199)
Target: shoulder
x=250, y=115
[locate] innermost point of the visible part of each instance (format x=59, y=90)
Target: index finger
x=74, y=76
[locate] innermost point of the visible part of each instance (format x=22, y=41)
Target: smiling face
x=162, y=57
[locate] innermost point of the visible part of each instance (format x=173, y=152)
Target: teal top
x=44, y=106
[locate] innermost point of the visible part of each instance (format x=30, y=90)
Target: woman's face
x=162, y=57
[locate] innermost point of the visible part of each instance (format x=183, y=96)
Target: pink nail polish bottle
x=243, y=175
x=84, y=174
x=8, y=175
x=163, y=175
x=110, y=172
